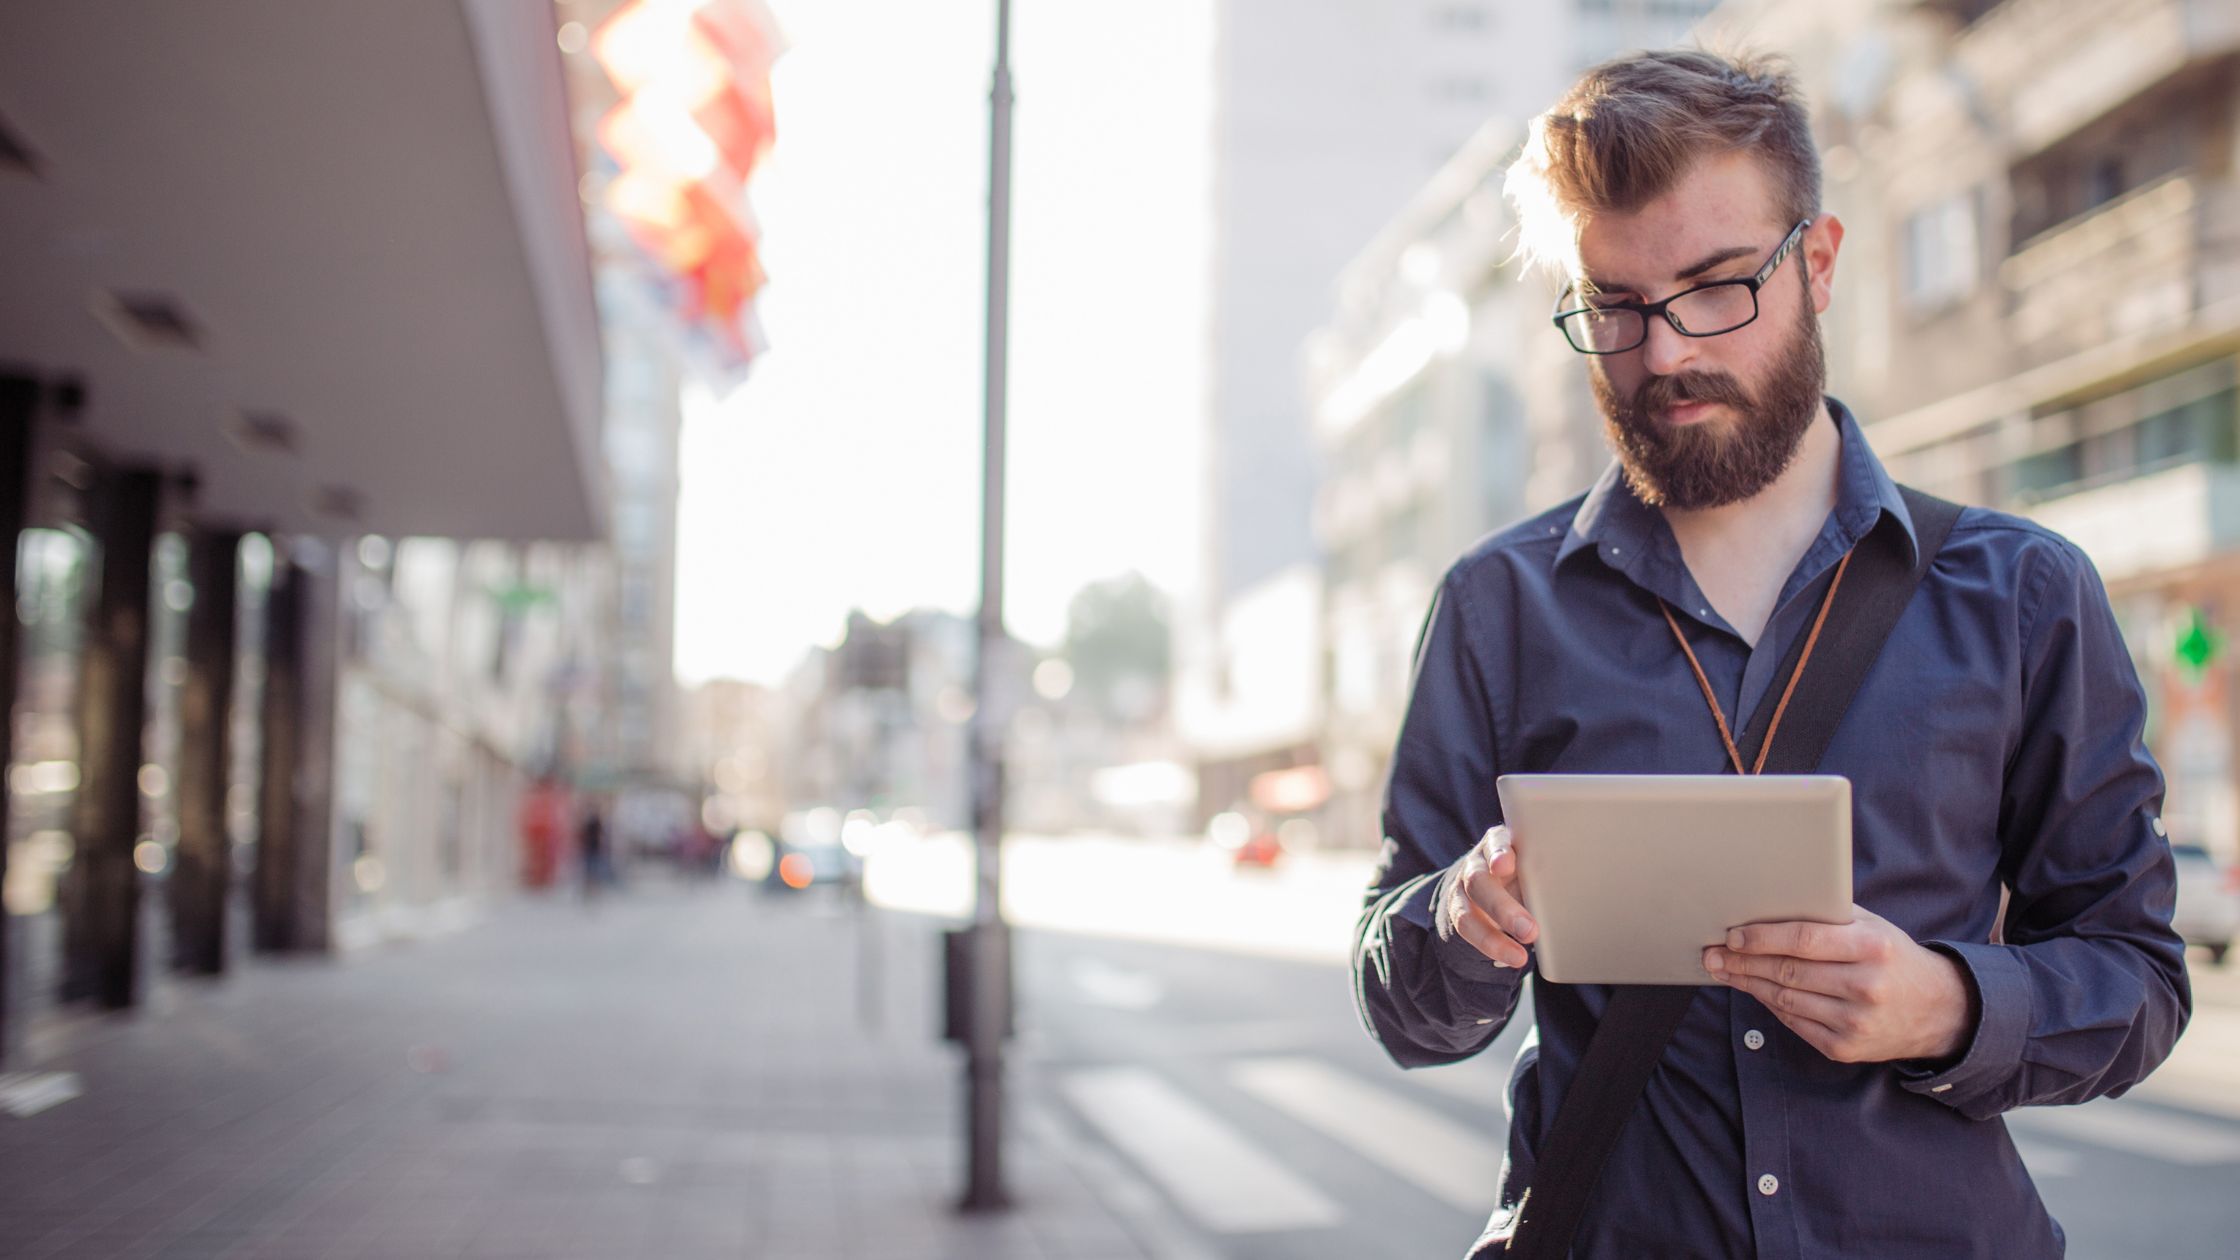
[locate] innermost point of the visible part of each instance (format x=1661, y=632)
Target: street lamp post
x=988, y=1017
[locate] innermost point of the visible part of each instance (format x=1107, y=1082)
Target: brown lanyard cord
x=1709, y=697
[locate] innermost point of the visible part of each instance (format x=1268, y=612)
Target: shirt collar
x=1613, y=520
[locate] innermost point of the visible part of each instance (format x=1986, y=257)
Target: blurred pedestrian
x=1839, y=1091
x=592, y=850
x=542, y=823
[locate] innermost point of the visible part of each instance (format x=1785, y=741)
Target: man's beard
x=1708, y=465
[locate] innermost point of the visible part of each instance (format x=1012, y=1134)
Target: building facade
x=307, y=309
x=1439, y=406
x=2038, y=309
x=2041, y=303
x=340, y=459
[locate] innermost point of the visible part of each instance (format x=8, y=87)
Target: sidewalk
x=678, y=1072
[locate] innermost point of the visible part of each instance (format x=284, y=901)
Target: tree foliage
x=1118, y=643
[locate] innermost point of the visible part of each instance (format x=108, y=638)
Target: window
x=2185, y=417
x=1941, y=253
x=2161, y=132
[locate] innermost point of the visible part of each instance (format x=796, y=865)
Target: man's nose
x=1666, y=351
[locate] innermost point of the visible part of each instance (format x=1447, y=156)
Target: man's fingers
x=1839, y=980
x=1826, y=942
x=1829, y=1013
x=1493, y=888
x=1502, y=865
x=1473, y=925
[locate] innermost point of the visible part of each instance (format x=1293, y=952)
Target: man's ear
x=1821, y=241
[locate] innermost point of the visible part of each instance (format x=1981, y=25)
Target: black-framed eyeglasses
x=1706, y=310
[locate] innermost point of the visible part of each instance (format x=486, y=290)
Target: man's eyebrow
x=1729, y=254
x=1713, y=259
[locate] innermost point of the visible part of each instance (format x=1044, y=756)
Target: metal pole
x=991, y=954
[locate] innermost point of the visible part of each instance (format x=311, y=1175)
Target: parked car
x=2208, y=901
x=806, y=865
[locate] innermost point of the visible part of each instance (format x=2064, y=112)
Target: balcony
x=2145, y=265
x=2162, y=521
x=2058, y=65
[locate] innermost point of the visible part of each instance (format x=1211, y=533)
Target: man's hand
x=1860, y=992
x=1484, y=909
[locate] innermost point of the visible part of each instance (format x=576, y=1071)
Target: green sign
x=2199, y=644
x=520, y=597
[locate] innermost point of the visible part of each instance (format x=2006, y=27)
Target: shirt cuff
x=1457, y=955
x=1994, y=1052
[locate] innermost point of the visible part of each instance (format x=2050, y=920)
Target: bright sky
x=846, y=471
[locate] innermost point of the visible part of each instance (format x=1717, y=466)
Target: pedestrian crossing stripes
x=26, y=1094
x=1444, y=1157
x=1210, y=1169
x=1227, y=1182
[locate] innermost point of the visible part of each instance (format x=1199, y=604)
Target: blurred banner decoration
x=693, y=122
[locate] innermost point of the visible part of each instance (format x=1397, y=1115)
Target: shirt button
x=2159, y=829
x=1768, y=1184
x=1754, y=1039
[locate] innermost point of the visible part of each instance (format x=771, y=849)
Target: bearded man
x=1840, y=1091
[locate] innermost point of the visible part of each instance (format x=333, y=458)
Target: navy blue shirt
x=1996, y=741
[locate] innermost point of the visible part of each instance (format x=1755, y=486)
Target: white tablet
x=1631, y=876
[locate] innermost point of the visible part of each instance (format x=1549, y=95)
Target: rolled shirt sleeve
x=2087, y=991
x=1426, y=995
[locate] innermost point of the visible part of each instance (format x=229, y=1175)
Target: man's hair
x=1629, y=128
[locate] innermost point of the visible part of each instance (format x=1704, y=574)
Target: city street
x=522, y=571
x=1244, y=1088
x=707, y=1070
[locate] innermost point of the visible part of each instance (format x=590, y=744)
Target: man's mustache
x=1660, y=392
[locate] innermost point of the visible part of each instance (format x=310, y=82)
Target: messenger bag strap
x=1640, y=1020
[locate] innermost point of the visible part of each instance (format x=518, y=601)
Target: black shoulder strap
x=1640, y=1020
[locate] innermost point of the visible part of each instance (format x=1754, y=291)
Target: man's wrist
x=1959, y=1029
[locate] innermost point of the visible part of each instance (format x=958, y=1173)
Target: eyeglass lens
x=1701, y=313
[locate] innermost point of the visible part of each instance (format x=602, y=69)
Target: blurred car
x=1263, y=850
x=803, y=866
x=2208, y=901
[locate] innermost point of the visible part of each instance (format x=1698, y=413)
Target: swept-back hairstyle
x=1628, y=129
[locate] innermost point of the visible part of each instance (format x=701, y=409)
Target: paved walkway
x=678, y=1072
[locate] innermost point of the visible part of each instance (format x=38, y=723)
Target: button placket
x=1765, y=1151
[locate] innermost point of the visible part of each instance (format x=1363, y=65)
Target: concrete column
x=101, y=928
x=293, y=891
x=203, y=868
x=272, y=895
x=17, y=394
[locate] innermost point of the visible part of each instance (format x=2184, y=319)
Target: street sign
x=2199, y=644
